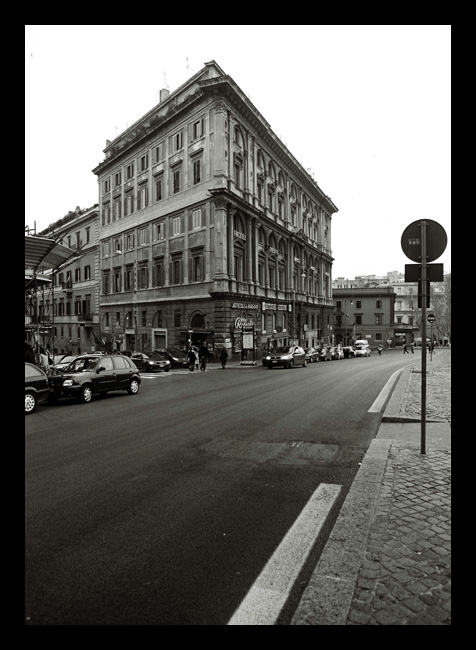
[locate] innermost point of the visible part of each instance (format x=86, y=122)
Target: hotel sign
x=245, y=305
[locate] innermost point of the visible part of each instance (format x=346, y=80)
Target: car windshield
x=139, y=356
x=67, y=359
x=284, y=348
x=82, y=364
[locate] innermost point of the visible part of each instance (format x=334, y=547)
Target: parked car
x=287, y=356
x=37, y=387
x=177, y=358
x=325, y=354
x=362, y=349
x=92, y=374
x=348, y=351
x=65, y=361
x=312, y=354
x=336, y=353
x=151, y=364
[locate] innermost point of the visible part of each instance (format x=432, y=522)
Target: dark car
x=178, y=358
x=151, y=364
x=37, y=387
x=287, y=356
x=92, y=374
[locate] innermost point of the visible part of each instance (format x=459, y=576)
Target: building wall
x=264, y=239
x=370, y=315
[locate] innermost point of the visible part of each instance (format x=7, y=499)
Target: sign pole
x=423, y=337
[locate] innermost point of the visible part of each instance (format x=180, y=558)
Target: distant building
x=364, y=313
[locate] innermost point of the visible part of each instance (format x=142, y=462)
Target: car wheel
x=86, y=394
x=30, y=403
x=291, y=364
x=166, y=369
x=133, y=388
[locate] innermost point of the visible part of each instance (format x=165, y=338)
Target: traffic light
x=420, y=293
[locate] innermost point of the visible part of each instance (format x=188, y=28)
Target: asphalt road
x=163, y=508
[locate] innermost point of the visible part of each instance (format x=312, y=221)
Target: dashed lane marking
x=265, y=600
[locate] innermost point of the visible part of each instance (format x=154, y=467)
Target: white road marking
x=384, y=393
x=266, y=598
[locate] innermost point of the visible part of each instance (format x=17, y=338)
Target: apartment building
x=210, y=229
x=365, y=313
x=68, y=306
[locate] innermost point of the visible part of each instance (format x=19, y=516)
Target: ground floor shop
x=245, y=327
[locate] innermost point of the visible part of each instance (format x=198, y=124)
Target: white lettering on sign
x=273, y=250
x=413, y=242
x=244, y=305
x=239, y=234
x=240, y=323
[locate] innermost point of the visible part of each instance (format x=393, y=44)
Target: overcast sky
x=365, y=107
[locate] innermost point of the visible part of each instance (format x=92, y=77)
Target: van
x=362, y=349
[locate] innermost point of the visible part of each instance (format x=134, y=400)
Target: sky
x=364, y=108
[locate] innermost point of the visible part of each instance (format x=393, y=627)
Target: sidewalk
x=388, y=558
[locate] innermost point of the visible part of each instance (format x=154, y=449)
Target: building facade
x=210, y=229
x=68, y=306
x=367, y=314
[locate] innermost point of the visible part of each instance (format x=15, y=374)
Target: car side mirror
x=100, y=369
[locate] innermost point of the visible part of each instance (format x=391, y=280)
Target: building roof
x=45, y=253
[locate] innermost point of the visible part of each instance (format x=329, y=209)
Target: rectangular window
x=105, y=283
x=117, y=178
x=197, y=166
x=142, y=197
x=143, y=277
x=143, y=236
x=177, y=319
x=87, y=272
x=196, y=219
x=158, y=188
x=118, y=317
x=378, y=304
x=129, y=241
x=176, y=226
x=129, y=278
x=197, y=130
x=88, y=235
x=358, y=319
x=128, y=204
x=378, y=319
x=117, y=209
x=195, y=270
x=117, y=280
x=176, y=269
x=143, y=318
x=77, y=275
x=158, y=276
x=176, y=180
x=117, y=245
x=159, y=152
x=177, y=141
x=144, y=162
x=358, y=304
x=130, y=171
x=159, y=231
x=107, y=185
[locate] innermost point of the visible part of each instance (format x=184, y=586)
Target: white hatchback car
x=362, y=349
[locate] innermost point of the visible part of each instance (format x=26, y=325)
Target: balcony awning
x=45, y=253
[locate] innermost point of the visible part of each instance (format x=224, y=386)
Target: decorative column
x=249, y=250
x=220, y=275
x=230, y=246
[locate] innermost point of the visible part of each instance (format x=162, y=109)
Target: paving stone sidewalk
x=388, y=558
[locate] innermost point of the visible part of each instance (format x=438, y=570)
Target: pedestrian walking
x=223, y=357
x=405, y=349
x=379, y=350
x=195, y=351
x=191, y=358
x=203, y=357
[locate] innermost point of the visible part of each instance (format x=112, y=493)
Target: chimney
x=164, y=93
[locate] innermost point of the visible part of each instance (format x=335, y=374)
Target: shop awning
x=45, y=253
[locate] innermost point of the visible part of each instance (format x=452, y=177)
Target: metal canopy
x=45, y=253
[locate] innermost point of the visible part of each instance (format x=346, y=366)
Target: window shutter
x=190, y=269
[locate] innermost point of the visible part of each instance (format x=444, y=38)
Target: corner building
x=210, y=229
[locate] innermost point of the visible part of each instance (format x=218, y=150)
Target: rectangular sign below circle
x=434, y=272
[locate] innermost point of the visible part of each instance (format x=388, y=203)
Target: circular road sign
x=431, y=318
x=436, y=240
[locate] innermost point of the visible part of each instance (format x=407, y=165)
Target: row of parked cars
x=84, y=375
x=289, y=356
